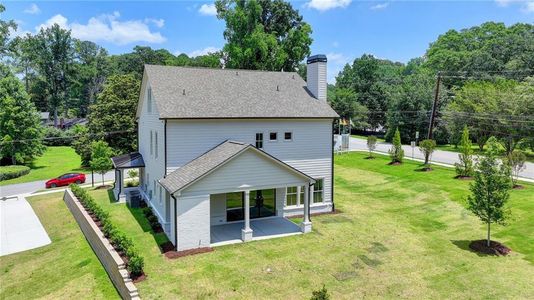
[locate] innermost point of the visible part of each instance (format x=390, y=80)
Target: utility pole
x=434, y=107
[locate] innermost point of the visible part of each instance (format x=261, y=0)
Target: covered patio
x=264, y=228
x=121, y=163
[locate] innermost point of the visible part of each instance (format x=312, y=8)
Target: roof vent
x=236, y=73
x=183, y=92
x=278, y=88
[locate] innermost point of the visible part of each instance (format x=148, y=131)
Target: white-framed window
x=318, y=191
x=288, y=136
x=156, y=143
x=291, y=196
x=149, y=100
x=259, y=140
x=151, y=143
x=273, y=136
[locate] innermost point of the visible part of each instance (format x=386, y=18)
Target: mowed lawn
x=65, y=269
x=400, y=234
x=55, y=161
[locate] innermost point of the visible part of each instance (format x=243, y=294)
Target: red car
x=66, y=179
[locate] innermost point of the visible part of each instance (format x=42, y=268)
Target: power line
x=68, y=137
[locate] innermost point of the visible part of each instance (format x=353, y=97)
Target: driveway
x=20, y=228
x=30, y=187
x=445, y=157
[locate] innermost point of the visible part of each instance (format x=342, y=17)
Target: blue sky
x=342, y=29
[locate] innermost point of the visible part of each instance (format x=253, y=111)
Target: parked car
x=66, y=179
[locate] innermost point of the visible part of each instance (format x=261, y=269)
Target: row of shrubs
x=10, y=172
x=122, y=243
x=152, y=219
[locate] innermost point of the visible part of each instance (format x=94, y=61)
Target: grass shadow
x=464, y=245
x=159, y=237
x=111, y=197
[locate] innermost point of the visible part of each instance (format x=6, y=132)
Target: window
x=151, y=151
x=149, y=100
x=291, y=196
x=288, y=136
x=156, y=143
x=318, y=191
x=273, y=136
x=259, y=140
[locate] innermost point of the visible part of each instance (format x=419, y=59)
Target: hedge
x=10, y=172
x=120, y=240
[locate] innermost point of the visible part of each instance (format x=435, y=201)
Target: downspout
x=332, y=168
x=175, y=223
x=165, y=146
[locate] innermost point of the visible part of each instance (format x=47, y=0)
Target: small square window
x=288, y=136
x=273, y=136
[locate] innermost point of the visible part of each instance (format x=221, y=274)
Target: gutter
x=332, y=168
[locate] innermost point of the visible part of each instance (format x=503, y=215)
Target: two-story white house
x=232, y=148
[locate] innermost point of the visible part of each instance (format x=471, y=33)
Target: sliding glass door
x=262, y=204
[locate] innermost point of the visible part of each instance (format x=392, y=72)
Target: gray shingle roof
x=202, y=165
x=186, y=93
x=130, y=160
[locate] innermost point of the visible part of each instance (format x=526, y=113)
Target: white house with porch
x=228, y=155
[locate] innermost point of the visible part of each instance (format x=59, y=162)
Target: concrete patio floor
x=264, y=228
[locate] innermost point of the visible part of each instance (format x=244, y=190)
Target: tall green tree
x=344, y=102
x=396, y=152
x=490, y=192
x=6, y=26
x=20, y=128
x=54, y=54
x=114, y=111
x=263, y=34
x=101, y=158
x=465, y=167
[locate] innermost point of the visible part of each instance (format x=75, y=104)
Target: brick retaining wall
x=110, y=259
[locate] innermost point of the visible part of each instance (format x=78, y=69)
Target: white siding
x=316, y=80
x=193, y=222
x=218, y=209
x=310, y=150
x=149, y=122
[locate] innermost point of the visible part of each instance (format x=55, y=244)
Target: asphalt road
x=30, y=187
x=445, y=157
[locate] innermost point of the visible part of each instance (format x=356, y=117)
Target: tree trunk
x=102, y=179
x=55, y=117
x=13, y=160
x=488, y=240
x=426, y=158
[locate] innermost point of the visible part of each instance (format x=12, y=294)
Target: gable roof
x=211, y=160
x=202, y=93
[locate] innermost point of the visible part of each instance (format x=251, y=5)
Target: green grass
x=65, y=269
x=401, y=234
x=54, y=162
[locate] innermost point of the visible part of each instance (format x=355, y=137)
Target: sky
x=342, y=29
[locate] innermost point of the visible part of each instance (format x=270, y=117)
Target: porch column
x=246, y=232
x=122, y=196
x=306, y=225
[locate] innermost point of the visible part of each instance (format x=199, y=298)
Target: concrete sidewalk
x=20, y=228
x=439, y=156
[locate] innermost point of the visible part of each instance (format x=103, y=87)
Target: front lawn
x=401, y=233
x=55, y=161
x=65, y=269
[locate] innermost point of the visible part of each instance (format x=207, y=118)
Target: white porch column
x=246, y=232
x=122, y=196
x=306, y=225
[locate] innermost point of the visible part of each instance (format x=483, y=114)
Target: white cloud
x=19, y=31
x=504, y=3
x=379, y=6
x=158, y=22
x=208, y=10
x=33, y=9
x=324, y=5
x=528, y=7
x=336, y=62
x=204, y=51
x=108, y=28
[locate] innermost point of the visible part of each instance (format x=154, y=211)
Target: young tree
x=114, y=111
x=20, y=125
x=263, y=34
x=82, y=144
x=427, y=147
x=396, y=152
x=490, y=191
x=516, y=161
x=101, y=158
x=371, y=145
x=465, y=167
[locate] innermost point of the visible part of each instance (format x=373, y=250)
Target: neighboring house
x=45, y=117
x=222, y=147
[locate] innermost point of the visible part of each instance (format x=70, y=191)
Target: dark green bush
x=132, y=183
x=10, y=172
x=147, y=211
x=120, y=240
x=321, y=294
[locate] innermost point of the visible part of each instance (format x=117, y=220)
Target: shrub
x=147, y=211
x=396, y=153
x=135, y=264
x=321, y=294
x=10, y=172
x=132, y=183
x=109, y=229
x=465, y=167
x=153, y=220
x=371, y=144
x=57, y=137
x=427, y=147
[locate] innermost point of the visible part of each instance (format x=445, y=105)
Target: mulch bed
x=518, y=187
x=495, y=248
x=177, y=254
x=396, y=163
x=103, y=187
x=463, y=177
x=138, y=278
x=166, y=247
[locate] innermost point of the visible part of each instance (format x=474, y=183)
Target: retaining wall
x=110, y=259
